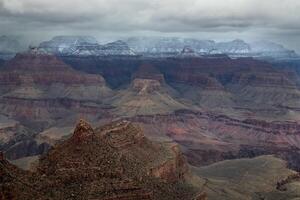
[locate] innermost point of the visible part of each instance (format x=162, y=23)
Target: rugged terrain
x=38, y=90
x=207, y=138
x=117, y=161
x=214, y=107
x=112, y=162
x=242, y=107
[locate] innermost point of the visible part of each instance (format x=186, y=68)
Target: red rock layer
x=208, y=138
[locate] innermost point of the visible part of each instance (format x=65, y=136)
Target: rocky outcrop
x=82, y=131
x=281, y=185
x=172, y=170
x=127, y=138
x=109, y=166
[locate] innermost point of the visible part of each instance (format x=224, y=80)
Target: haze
x=36, y=20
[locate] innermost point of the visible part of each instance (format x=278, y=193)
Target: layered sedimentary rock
x=42, y=70
x=147, y=94
x=112, y=162
x=235, y=86
x=38, y=85
x=239, y=99
x=36, y=91
x=207, y=138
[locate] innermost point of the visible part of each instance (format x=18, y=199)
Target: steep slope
x=113, y=162
x=268, y=91
x=147, y=94
x=36, y=91
x=33, y=81
x=235, y=86
x=35, y=71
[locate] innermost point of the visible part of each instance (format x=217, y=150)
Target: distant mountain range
x=151, y=47
x=235, y=48
x=84, y=46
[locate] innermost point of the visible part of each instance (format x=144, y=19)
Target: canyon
x=189, y=100
x=165, y=124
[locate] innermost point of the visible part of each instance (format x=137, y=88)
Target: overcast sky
x=276, y=20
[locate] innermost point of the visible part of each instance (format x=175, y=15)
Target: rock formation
x=82, y=131
x=113, y=162
x=34, y=85
x=147, y=94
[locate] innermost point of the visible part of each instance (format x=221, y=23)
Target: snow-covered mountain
x=118, y=47
x=84, y=46
x=62, y=45
x=271, y=49
x=233, y=47
x=163, y=47
x=159, y=46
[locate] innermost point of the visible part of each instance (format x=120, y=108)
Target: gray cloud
x=276, y=19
